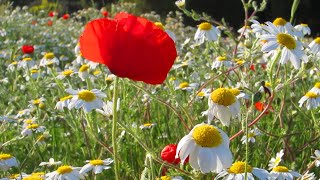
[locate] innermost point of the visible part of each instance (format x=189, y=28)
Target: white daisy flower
x=65, y=173
x=308, y=176
x=84, y=72
x=180, y=3
x=257, y=28
x=203, y=93
x=311, y=99
x=12, y=66
x=170, y=178
x=316, y=88
x=97, y=166
x=283, y=173
x=252, y=133
x=34, y=73
x=147, y=125
x=316, y=157
x=186, y=86
x=63, y=102
x=221, y=61
x=315, y=46
x=24, y=112
x=207, y=32
x=304, y=28
x=26, y=62
x=86, y=99
x=170, y=33
x=107, y=109
x=65, y=73
x=207, y=148
x=285, y=26
x=245, y=30
x=291, y=49
x=223, y=105
x=238, y=169
x=32, y=128
x=275, y=161
x=7, y=161
x=27, y=122
x=37, y=102
x=50, y=163
x=49, y=59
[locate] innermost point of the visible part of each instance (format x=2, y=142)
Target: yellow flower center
x=267, y=84
x=280, y=169
x=96, y=162
x=5, y=156
x=96, y=72
x=109, y=79
x=205, y=26
x=147, y=125
x=317, y=85
x=304, y=25
x=14, y=176
x=172, y=78
x=239, y=61
x=83, y=68
x=86, y=95
x=38, y=174
x=311, y=95
x=221, y=58
x=41, y=138
x=180, y=3
x=49, y=55
x=33, y=126
x=183, y=85
x=64, y=169
x=235, y=91
x=223, y=96
x=250, y=135
x=26, y=59
x=65, y=98
x=42, y=105
x=279, y=21
x=159, y=25
x=239, y=167
x=37, y=101
x=67, y=72
x=33, y=177
x=207, y=136
x=14, y=63
x=200, y=94
x=286, y=40
x=165, y=178
x=28, y=121
x=34, y=71
x=317, y=40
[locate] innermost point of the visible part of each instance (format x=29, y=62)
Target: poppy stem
x=114, y=128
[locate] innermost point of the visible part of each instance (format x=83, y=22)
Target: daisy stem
x=114, y=128
x=270, y=71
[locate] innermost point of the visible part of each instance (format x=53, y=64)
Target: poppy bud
x=168, y=154
x=65, y=16
x=27, y=49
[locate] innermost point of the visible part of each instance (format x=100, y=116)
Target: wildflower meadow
x=112, y=93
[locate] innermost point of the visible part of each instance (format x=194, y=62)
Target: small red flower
x=49, y=23
x=65, y=16
x=52, y=13
x=130, y=46
x=252, y=67
x=27, y=49
x=260, y=107
x=168, y=154
x=34, y=22
x=104, y=13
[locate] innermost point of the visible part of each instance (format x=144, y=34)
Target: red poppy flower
x=52, y=13
x=130, y=46
x=260, y=107
x=168, y=154
x=104, y=13
x=252, y=67
x=49, y=23
x=27, y=49
x=65, y=16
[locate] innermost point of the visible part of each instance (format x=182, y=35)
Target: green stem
x=114, y=128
